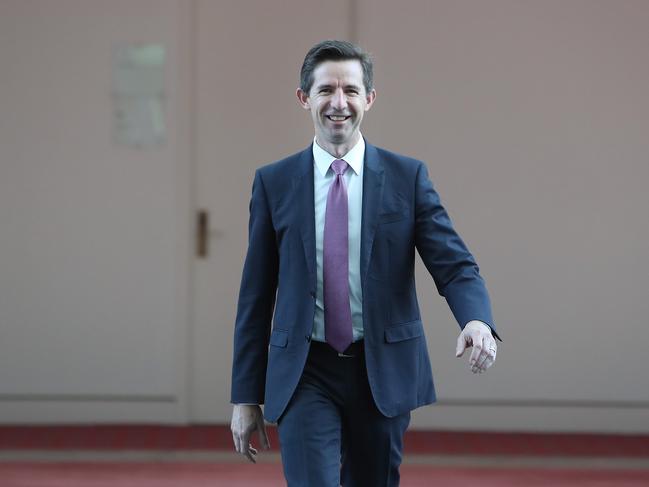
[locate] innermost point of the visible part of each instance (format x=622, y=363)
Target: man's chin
x=341, y=134
x=338, y=137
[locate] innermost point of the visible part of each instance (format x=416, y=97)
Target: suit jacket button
x=308, y=338
x=312, y=294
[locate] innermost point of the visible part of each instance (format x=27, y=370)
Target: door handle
x=202, y=231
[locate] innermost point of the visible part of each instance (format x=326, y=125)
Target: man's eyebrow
x=329, y=85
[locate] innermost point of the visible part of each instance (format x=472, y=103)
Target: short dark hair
x=333, y=50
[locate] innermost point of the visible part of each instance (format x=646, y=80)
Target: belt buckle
x=340, y=354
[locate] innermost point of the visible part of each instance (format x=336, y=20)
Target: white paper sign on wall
x=138, y=92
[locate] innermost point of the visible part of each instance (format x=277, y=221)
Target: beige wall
x=533, y=120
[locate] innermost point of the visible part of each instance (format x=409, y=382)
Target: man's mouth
x=338, y=118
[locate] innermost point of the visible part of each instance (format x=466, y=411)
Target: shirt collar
x=354, y=157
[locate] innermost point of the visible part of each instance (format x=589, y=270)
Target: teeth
x=337, y=118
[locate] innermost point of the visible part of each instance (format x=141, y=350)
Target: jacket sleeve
x=256, y=302
x=453, y=268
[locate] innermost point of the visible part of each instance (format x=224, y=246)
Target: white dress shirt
x=323, y=175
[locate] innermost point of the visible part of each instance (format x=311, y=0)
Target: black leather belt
x=354, y=350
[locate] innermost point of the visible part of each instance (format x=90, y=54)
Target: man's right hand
x=246, y=419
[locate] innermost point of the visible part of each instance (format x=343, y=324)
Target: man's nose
x=339, y=101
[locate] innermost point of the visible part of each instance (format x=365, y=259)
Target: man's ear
x=369, y=99
x=303, y=99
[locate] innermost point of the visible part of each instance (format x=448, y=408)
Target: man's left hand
x=478, y=335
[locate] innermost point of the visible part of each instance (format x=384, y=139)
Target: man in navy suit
x=340, y=363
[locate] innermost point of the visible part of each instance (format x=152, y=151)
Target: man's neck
x=338, y=150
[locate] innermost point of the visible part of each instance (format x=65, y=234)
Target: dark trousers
x=332, y=433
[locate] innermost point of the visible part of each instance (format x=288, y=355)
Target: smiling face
x=337, y=101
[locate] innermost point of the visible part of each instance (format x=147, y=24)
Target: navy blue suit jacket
x=401, y=212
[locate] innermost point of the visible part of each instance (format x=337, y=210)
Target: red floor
x=113, y=438
x=269, y=475
x=218, y=437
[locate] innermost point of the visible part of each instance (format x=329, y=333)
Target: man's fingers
x=263, y=434
x=241, y=439
x=479, y=354
x=481, y=361
x=486, y=351
x=484, y=367
x=250, y=453
x=475, y=353
x=487, y=357
x=491, y=356
x=483, y=358
x=236, y=434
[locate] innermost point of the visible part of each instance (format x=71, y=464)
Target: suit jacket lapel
x=373, y=182
x=303, y=186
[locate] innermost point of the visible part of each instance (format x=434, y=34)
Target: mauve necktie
x=337, y=311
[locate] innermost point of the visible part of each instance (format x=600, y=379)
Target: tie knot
x=339, y=167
